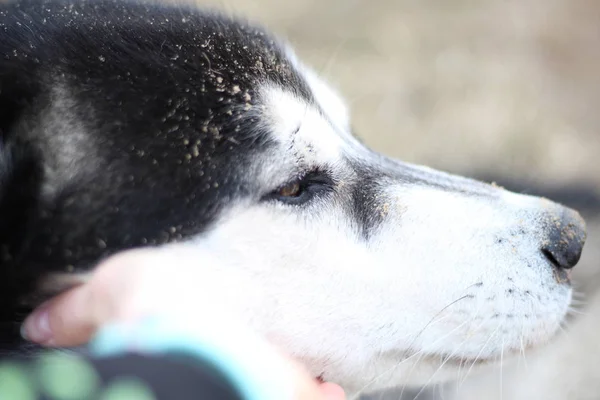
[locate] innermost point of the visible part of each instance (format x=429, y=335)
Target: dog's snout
x=565, y=240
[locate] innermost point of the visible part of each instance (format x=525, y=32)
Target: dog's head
x=128, y=125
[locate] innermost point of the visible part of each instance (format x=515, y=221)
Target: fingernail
x=36, y=327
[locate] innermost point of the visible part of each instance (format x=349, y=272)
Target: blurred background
x=501, y=90
x=504, y=90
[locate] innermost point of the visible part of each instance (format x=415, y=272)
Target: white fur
x=355, y=310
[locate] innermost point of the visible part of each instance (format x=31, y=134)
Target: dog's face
x=177, y=128
x=379, y=271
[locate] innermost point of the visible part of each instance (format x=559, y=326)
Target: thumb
x=331, y=391
x=61, y=321
x=73, y=317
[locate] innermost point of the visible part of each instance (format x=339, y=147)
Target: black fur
x=120, y=123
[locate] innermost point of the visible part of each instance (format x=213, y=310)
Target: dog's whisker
x=578, y=293
x=404, y=385
x=572, y=310
x=476, y=358
x=444, y=309
x=430, y=323
x=502, y=371
x=449, y=357
x=563, y=325
x=575, y=303
x=522, y=347
x=421, y=353
x=461, y=381
x=491, y=336
x=463, y=362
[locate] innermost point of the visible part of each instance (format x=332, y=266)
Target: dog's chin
x=451, y=366
x=426, y=370
x=417, y=369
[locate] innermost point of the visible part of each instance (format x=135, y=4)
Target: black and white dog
x=125, y=125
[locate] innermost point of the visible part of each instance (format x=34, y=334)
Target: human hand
x=125, y=288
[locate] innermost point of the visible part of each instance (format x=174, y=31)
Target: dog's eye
x=302, y=190
x=290, y=190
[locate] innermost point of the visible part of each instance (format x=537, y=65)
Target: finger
x=331, y=391
x=61, y=321
x=71, y=318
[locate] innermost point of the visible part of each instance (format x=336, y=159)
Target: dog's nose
x=566, y=237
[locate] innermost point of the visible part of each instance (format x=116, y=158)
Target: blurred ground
x=503, y=89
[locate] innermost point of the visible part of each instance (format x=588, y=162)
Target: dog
x=127, y=124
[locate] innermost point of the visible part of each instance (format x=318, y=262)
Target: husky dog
x=126, y=125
